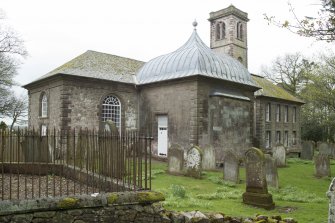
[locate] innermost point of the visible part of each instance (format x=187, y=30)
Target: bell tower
x=228, y=30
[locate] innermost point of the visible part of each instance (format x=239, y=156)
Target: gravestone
x=256, y=187
x=208, y=159
x=324, y=148
x=194, y=162
x=322, y=165
x=279, y=154
x=307, y=152
x=175, y=159
x=231, y=168
x=331, y=196
x=271, y=171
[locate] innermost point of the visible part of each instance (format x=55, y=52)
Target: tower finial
x=195, y=24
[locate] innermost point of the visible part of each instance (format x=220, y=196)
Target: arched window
x=218, y=31
x=111, y=110
x=239, y=31
x=44, y=105
x=223, y=30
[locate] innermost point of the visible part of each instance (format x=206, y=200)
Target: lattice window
x=44, y=106
x=111, y=110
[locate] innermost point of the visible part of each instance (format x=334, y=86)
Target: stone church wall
x=76, y=102
x=262, y=125
x=85, y=99
x=176, y=99
x=226, y=122
x=53, y=90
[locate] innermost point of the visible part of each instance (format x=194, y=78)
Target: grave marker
x=175, y=159
x=194, y=162
x=231, y=168
x=271, y=171
x=208, y=159
x=256, y=188
x=307, y=152
x=279, y=154
x=322, y=165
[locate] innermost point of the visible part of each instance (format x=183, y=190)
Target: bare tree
x=290, y=71
x=17, y=111
x=11, y=50
x=321, y=28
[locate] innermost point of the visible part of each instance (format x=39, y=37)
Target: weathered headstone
x=231, y=168
x=175, y=159
x=256, y=187
x=307, y=152
x=322, y=165
x=279, y=154
x=324, y=148
x=271, y=171
x=194, y=162
x=331, y=196
x=208, y=159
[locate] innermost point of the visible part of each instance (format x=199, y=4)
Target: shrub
x=178, y=191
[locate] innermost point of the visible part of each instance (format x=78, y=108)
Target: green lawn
x=301, y=195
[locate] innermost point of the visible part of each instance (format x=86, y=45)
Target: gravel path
x=22, y=186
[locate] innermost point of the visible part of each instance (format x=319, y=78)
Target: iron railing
x=72, y=162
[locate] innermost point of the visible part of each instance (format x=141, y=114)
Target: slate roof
x=268, y=89
x=194, y=58
x=99, y=65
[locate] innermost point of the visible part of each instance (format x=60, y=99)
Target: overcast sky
x=57, y=31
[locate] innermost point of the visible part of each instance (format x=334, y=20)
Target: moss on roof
x=271, y=90
x=101, y=66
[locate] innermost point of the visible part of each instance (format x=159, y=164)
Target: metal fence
x=72, y=162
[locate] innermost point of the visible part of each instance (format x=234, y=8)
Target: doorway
x=162, y=135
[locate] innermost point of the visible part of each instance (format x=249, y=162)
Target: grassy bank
x=300, y=196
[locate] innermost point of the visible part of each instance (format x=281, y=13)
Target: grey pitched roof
x=194, y=58
x=268, y=89
x=99, y=65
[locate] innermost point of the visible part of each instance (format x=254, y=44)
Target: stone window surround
x=286, y=109
x=278, y=111
x=294, y=114
x=294, y=137
x=268, y=139
x=239, y=31
x=278, y=137
x=268, y=112
x=220, y=31
x=286, y=137
x=44, y=102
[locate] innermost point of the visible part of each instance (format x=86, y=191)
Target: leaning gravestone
x=307, y=152
x=257, y=191
x=194, y=162
x=175, y=159
x=231, y=168
x=271, y=171
x=279, y=154
x=324, y=148
x=208, y=159
x=331, y=196
x=322, y=165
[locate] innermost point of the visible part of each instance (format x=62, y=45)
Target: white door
x=162, y=135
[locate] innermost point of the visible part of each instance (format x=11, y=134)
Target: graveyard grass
x=301, y=195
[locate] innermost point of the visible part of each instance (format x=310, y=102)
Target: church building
x=196, y=95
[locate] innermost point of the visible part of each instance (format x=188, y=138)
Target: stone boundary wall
x=123, y=207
